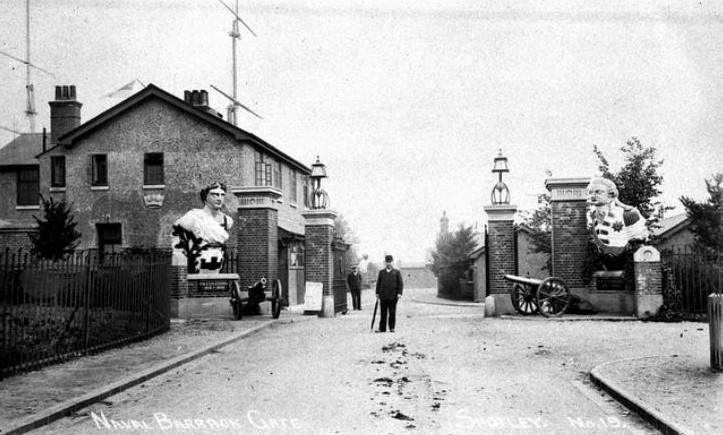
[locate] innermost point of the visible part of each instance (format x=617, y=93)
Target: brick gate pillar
x=258, y=233
x=319, y=267
x=501, y=257
x=568, y=202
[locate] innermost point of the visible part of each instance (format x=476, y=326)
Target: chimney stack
x=444, y=224
x=199, y=100
x=64, y=112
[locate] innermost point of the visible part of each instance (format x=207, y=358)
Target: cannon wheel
x=523, y=299
x=553, y=297
x=276, y=298
x=236, y=302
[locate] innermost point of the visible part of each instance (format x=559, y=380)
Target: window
x=293, y=187
x=28, y=187
x=57, y=171
x=296, y=255
x=153, y=169
x=306, y=192
x=110, y=239
x=100, y=170
x=262, y=170
x=277, y=176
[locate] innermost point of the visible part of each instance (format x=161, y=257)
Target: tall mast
x=235, y=35
x=30, y=109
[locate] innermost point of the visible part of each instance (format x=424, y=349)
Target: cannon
x=254, y=295
x=549, y=297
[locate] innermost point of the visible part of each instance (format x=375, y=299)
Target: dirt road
x=446, y=370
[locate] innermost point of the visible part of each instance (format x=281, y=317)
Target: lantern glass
x=500, y=164
x=318, y=169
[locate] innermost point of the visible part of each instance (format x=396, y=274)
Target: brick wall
x=257, y=245
x=501, y=251
x=16, y=238
x=179, y=282
x=8, y=200
x=569, y=241
x=480, y=278
x=319, y=258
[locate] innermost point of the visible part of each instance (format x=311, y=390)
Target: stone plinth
x=648, y=282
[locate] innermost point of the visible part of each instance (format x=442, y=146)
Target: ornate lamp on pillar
x=500, y=193
x=319, y=236
x=319, y=198
x=501, y=256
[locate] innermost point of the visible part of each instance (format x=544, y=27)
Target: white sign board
x=313, y=296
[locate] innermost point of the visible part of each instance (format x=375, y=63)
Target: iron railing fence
x=51, y=311
x=688, y=278
x=231, y=262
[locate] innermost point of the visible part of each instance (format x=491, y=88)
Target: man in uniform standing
x=354, y=280
x=389, y=290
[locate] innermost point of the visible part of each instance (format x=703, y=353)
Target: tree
x=56, y=236
x=343, y=231
x=451, y=260
x=705, y=217
x=638, y=181
x=540, y=224
x=638, y=184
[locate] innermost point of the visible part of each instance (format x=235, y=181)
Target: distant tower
x=444, y=224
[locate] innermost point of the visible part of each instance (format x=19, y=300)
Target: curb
x=451, y=304
x=63, y=409
x=618, y=393
x=570, y=319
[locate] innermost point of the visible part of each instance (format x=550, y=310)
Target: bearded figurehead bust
x=614, y=227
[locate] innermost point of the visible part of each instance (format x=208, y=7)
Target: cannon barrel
x=527, y=281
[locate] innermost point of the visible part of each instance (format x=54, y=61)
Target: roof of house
x=153, y=91
x=671, y=225
x=481, y=249
x=22, y=150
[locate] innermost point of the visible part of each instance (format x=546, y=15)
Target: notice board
x=313, y=296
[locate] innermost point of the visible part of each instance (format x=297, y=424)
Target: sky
x=407, y=102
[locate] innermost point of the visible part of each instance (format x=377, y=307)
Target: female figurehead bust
x=203, y=232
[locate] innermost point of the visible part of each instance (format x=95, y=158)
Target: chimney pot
x=64, y=112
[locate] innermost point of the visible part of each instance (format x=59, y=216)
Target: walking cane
x=376, y=304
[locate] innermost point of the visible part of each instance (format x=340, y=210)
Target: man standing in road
x=354, y=280
x=389, y=290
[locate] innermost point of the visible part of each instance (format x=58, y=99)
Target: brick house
x=134, y=169
x=673, y=233
x=19, y=185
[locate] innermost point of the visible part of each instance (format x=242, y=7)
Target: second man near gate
x=354, y=280
x=389, y=290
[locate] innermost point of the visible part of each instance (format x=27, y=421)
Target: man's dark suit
x=355, y=281
x=389, y=288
